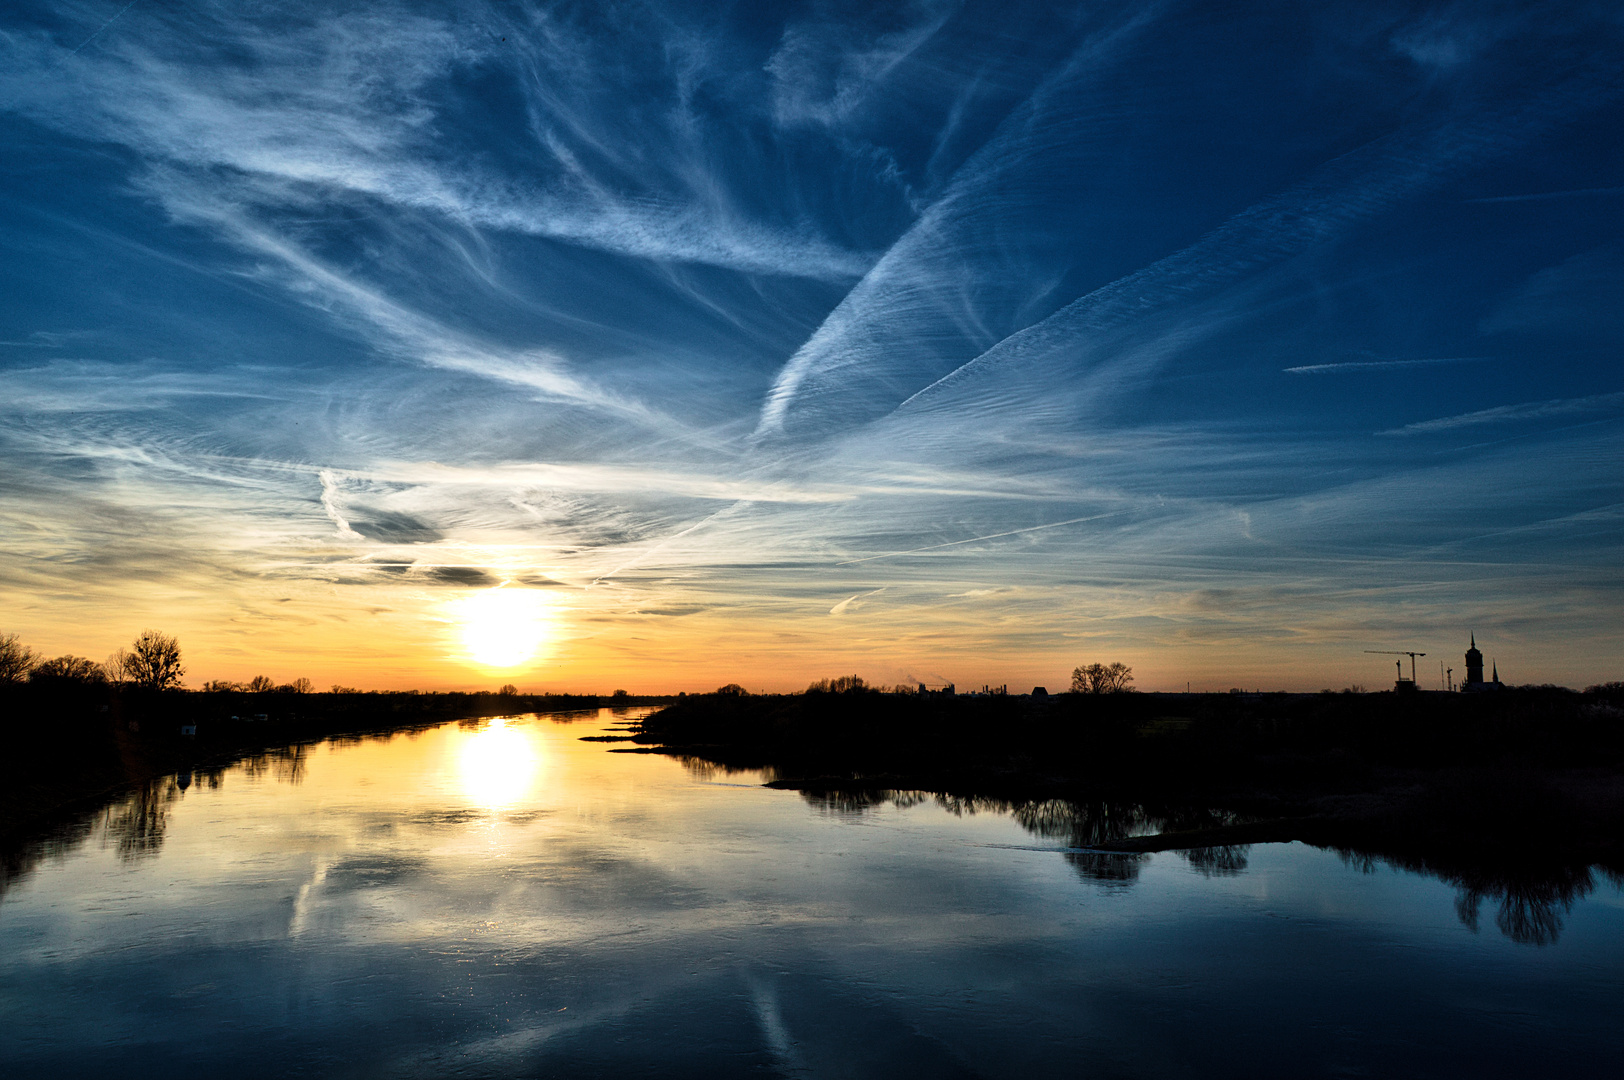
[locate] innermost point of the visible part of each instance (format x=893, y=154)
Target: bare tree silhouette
x=1102, y=679
x=844, y=684
x=16, y=659
x=68, y=669
x=152, y=662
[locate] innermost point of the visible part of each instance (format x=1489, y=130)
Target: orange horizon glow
x=549, y=641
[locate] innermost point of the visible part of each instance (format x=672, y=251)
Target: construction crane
x=1400, y=663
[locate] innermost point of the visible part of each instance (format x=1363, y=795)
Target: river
x=501, y=898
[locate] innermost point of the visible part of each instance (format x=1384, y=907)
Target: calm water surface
x=503, y=899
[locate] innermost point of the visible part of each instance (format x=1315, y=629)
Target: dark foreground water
x=502, y=899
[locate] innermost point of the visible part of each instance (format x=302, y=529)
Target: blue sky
x=943, y=342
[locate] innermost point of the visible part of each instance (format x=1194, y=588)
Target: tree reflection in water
x=135, y=827
x=18, y=862
x=1088, y=825
x=286, y=764
x=1076, y=825
x=710, y=772
x=861, y=800
x=1100, y=822
x=1533, y=900
x=134, y=824
x=1225, y=860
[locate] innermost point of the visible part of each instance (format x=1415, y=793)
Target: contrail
x=1357, y=365
x=105, y=25
x=990, y=536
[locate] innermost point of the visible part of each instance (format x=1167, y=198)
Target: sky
x=660, y=345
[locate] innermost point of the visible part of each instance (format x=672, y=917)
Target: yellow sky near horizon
x=591, y=641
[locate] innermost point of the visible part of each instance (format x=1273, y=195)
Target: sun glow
x=503, y=628
x=499, y=764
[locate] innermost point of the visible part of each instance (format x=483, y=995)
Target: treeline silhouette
x=1197, y=739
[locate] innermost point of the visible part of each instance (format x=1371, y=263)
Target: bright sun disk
x=503, y=628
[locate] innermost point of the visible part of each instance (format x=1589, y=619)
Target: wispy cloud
x=1596, y=404
x=983, y=539
x=406, y=333
x=329, y=503
x=353, y=102
x=1542, y=196
x=44, y=339
x=852, y=603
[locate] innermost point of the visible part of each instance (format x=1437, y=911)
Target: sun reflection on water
x=500, y=764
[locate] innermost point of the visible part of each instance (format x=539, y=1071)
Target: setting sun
x=503, y=628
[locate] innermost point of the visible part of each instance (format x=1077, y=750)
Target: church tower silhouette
x=1474, y=664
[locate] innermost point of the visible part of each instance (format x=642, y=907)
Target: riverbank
x=1523, y=778
x=71, y=752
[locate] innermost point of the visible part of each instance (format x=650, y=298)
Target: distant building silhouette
x=1474, y=663
x=1474, y=683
